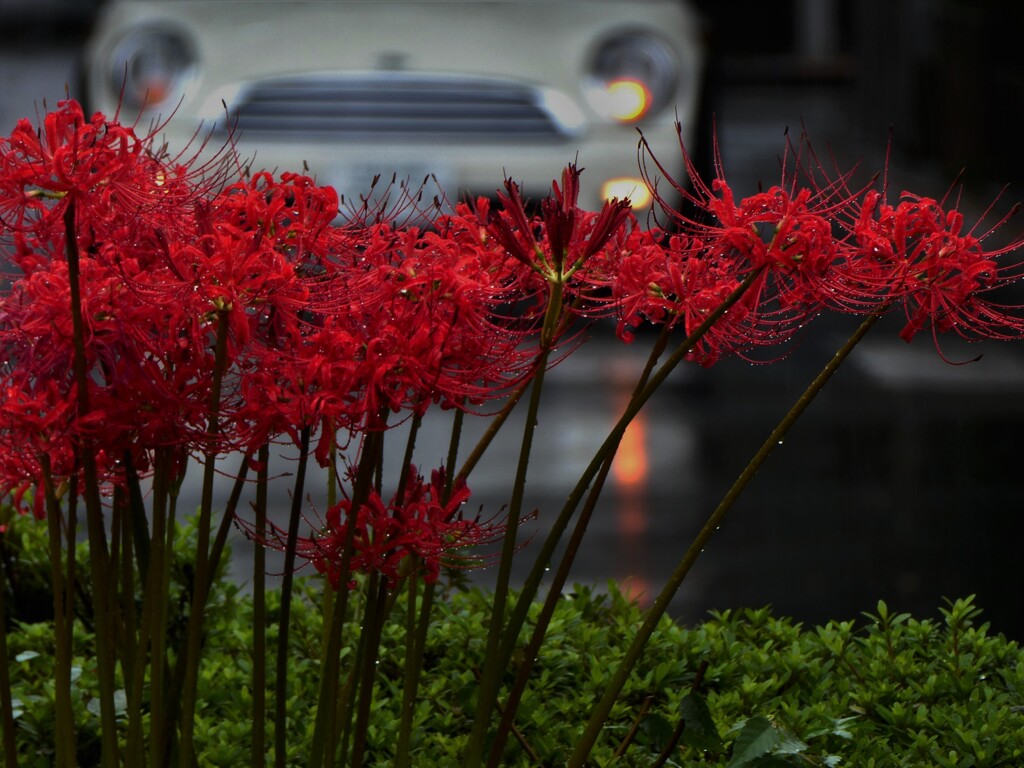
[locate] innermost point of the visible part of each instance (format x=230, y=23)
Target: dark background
x=902, y=482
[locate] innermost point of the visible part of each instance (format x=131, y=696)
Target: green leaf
x=700, y=732
x=758, y=737
x=789, y=744
x=656, y=730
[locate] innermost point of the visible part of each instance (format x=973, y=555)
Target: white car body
x=470, y=91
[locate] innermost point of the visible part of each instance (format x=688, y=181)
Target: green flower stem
x=154, y=608
x=324, y=742
x=193, y=641
x=533, y=580
x=498, y=420
x=137, y=537
x=348, y=693
x=416, y=630
x=204, y=585
x=376, y=615
x=284, y=614
x=103, y=606
x=132, y=634
x=359, y=685
x=165, y=708
x=561, y=576
x=410, y=449
x=660, y=605
x=453, y=452
x=64, y=718
x=323, y=745
x=137, y=510
x=410, y=677
x=328, y=595
x=258, y=756
x=71, y=570
x=413, y=670
x=373, y=626
x=221, y=539
x=494, y=666
x=494, y=424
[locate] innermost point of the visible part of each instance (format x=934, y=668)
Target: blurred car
x=470, y=91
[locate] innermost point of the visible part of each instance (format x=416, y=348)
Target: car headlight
x=151, y=66
x=631, y=76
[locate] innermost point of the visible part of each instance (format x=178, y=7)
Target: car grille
x=396, y=105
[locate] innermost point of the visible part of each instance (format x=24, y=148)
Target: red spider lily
x=292, y=211
x=629, y=280
x=431, y=313
x=670, y=279
x=34, y=422
x=307, y=384
x=561, y=244
x=391, y=320
x=563, y=237
x=786, y=233
x=414, y=535
x=120, y=183
x=139, y=370
x=523, y=288
x=148, y=381
x=916, y=254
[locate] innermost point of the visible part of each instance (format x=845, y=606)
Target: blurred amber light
x=630, y=465
x=627, y=99
x=627, y=188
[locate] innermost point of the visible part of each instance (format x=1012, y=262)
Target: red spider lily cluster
x=421, y=529
x=189, y=273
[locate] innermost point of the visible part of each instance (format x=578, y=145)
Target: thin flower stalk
x=491, y=678
x=605, y=452
x=149, y=557
x=377, y=611
x=418, y=625
x=328, y=711
x=122, y=553
x=193, y=644
x=331, y=694
x=659, y=606
x=417, y=629
x=611, y=442
x=533, y=647
x=284, y=612
x=374, y=619
x=62, y=628
x=137, y=515
x=259, y=616
x=155, y=609
x=494, y=425
x=103, y=608
x=571, y=241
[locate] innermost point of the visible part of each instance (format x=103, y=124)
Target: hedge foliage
x=744, y=688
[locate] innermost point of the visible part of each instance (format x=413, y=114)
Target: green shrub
x=744, y=688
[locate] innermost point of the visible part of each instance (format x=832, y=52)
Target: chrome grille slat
x=367, y=106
